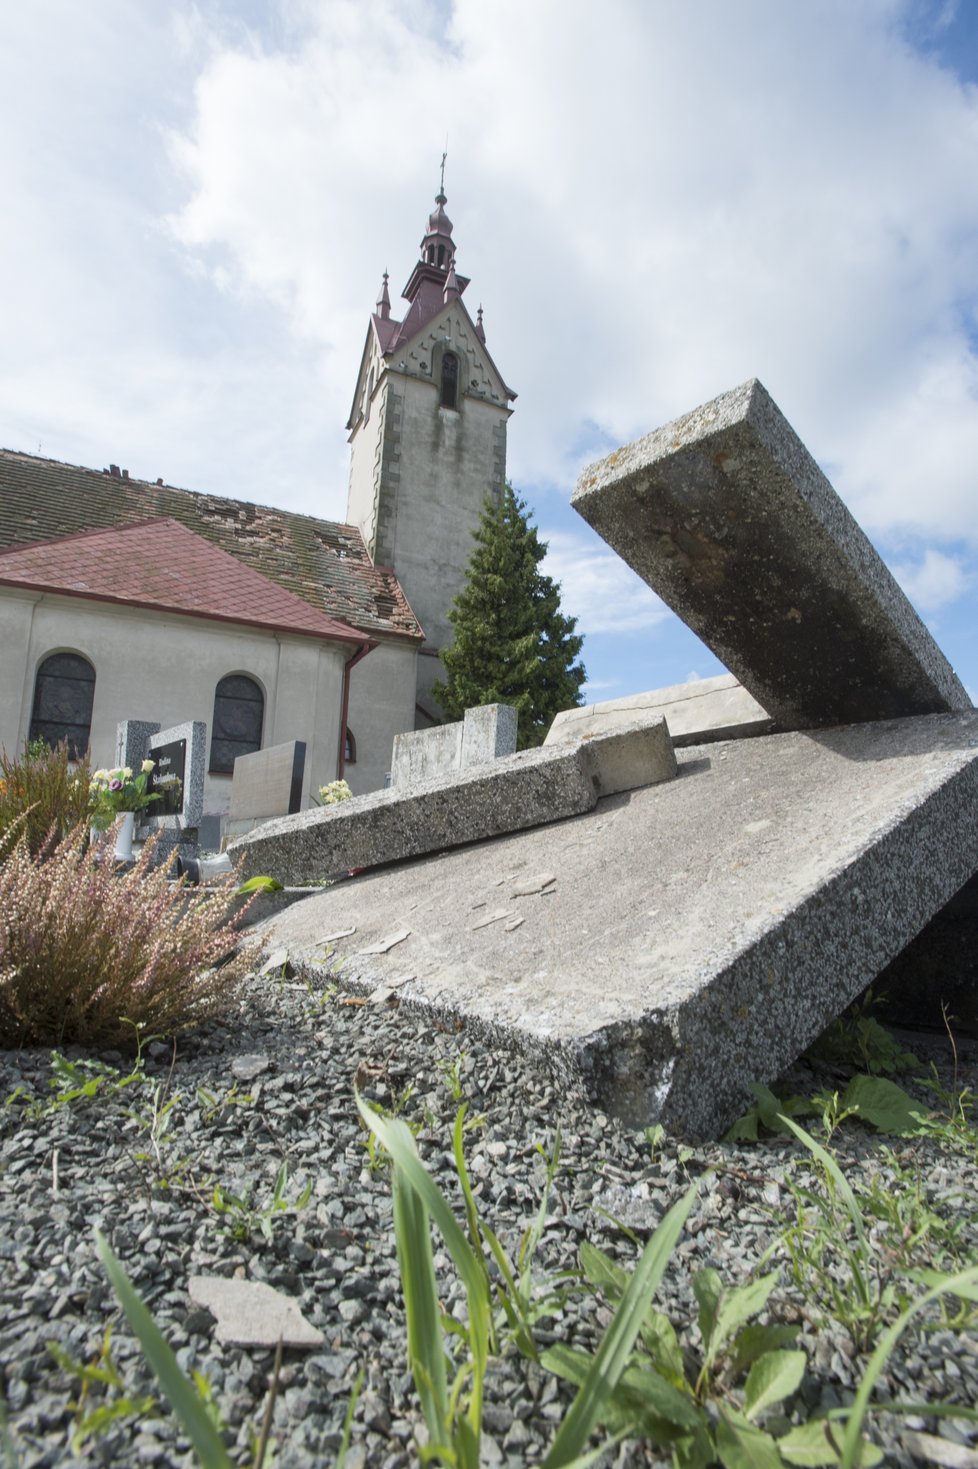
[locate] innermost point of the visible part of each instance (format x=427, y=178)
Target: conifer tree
x=512, y=643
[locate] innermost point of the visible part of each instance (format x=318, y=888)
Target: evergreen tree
x=512, y=644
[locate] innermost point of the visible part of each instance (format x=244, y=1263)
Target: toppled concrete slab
x=728, y=517
x=704, y=709
x=486, y=800
x=699, y=933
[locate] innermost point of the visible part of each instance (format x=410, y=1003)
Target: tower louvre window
x=449, y=380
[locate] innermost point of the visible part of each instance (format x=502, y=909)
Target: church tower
x=427, y=441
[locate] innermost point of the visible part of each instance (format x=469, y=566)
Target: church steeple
x=384, y=301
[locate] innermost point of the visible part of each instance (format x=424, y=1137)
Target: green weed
x=245, y=1217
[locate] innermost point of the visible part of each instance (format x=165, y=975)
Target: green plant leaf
x=426, y=1352
x=754, y=1340
x=964, y=1284
x=707, y=1288
x=810, y=1445
x=736, y=1307
x=883, y=1104
x=259, y=885
x=612, y=1355
x=412, y=1179
x=602, y=1271
x=185, y=1401
x=660, y=1341
x=835, y=1174
x=741, y=1445
x=773, y=1377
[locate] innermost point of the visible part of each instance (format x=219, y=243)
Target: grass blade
x=612, y=1356
x=964, y=1284
x=183, y=1397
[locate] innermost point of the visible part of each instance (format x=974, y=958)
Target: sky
x=654, y=201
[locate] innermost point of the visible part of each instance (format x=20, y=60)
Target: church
x=124, y=599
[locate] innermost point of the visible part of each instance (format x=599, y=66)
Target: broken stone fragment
x=252, y=1314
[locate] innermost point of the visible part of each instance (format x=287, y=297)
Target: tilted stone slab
x=693, y=936
x=728, y=517
x=486, y=800
x=703, y=709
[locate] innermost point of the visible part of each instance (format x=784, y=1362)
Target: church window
x=449, y=380
x=239, y=712
x=349, y=748
x=64, y=692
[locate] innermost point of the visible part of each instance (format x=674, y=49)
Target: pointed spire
x=452, y=291
x=480, y=330
x=384, y=301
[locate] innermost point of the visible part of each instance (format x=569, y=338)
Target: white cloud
x=598, y=588
x=654, y=202
x=935, y=581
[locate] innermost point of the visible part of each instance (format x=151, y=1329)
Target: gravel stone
x=152, y=1198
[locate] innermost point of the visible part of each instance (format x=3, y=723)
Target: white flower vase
x=123, y=837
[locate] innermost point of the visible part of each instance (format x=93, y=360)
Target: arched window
x=64, y=692
x=239, y=712
x=349, y=748
x=449, y=380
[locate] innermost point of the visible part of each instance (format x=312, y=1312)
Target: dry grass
x=87, y=953
x=42, y=794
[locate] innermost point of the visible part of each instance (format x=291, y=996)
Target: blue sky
x=654, y=203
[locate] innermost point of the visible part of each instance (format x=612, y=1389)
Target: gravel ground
x=93, y=1163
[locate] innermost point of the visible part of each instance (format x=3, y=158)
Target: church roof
x=324, y=563
x=162, y=565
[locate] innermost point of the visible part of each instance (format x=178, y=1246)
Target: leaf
x=754, y=1340
x=707, y=1288
x=612, y=1355
x=259, y=885
x=737, y=1306
x=809, y=1445
x=660, y=1341
x=883, y=1104
x=740, y=1445
x=602, y=1271
x=185, y=1401
x=642, y=1402
x=766, y=1112
x=773, y=1377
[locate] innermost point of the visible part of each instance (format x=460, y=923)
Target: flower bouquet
x=113, y=792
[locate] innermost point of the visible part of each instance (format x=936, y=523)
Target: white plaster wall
x=166, y=668
x=16, y=676
x=365, y=454
x=382, y=699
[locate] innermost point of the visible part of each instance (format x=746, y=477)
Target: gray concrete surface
x=728, y=517
x=703, y=709
x=508, y=794
x=486, y=732
x=690, y=937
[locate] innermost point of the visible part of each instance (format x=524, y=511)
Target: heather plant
x=88, y=952
x=43, y=795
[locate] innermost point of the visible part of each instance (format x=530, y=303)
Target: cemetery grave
x=698, y=933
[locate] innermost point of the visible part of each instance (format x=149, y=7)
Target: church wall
x=154, y=667
x=448, y=463
x=382, y=699
x=366, y=443
x=16, y=676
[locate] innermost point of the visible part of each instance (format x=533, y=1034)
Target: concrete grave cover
x=691, y=936
x=726, y=515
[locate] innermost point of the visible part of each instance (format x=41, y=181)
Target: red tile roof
x=162, y=565
x=324, y=563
